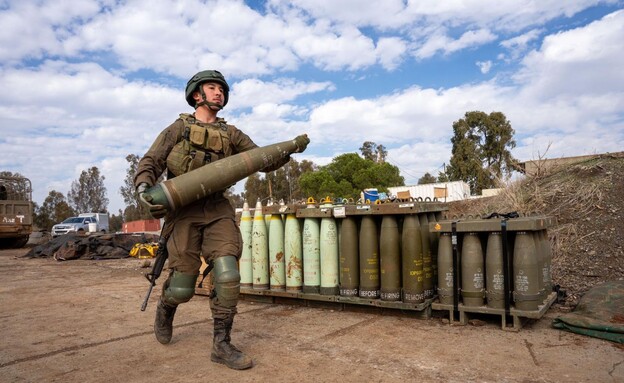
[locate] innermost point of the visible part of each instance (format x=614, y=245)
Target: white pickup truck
x=86, y=222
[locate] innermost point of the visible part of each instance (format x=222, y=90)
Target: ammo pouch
x=200, y=144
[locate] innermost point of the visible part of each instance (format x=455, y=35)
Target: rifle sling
x=206, y=272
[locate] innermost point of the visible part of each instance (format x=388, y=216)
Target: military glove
x=302, y=142
x=156, y=211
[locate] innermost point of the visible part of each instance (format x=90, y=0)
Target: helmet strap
x=206, y=102
x=209, y=105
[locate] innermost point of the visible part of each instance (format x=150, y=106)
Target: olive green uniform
x=206, y=227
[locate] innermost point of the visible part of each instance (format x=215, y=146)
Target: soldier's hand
x=302, y=142
x=156, y=211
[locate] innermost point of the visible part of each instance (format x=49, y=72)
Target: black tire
x=20, y=242
x=13, y=243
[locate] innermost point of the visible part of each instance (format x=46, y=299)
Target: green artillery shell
x=293, y=252
x=426, y=248
x=329, y=256
x=526, y=272
x=495, y=277
x=311, y=256
x=217, y=176
x=390, y=259
x=434, y=239
x=277, y=263
x=349, y=259
x=445, y=269
x=259, y=250
x=245, y=265
x=473, y=280
x=369, y=258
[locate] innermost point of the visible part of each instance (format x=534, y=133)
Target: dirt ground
x=80, y=321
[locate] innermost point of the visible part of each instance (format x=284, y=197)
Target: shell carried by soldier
x=201, y=151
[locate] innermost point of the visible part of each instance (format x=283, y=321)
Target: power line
x=395, y=163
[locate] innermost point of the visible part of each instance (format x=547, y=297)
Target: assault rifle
x=159, y=263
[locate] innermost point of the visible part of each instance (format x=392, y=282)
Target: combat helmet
x=202, y=77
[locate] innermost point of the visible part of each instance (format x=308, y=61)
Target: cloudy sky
x=86, y=82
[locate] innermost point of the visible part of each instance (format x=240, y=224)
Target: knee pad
x=226, y=281
x=180, y=288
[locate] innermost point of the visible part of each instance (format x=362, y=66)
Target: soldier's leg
x=222, y=242
x=184, y=248
x=223, y=305
x=179, y=288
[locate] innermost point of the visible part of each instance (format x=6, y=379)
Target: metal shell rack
x=377, y=296
x=382, y=275
x=510, y=278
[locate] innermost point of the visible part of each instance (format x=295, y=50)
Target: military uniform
x=205, y=228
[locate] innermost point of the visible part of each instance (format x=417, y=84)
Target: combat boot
x=223, y=351
x=163, y=325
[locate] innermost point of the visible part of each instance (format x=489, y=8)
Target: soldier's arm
x=241, y=142
x=154, y=163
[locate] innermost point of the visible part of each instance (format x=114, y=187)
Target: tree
x=481, y=150
x=368, y=150
x=426, y=179
x=289, y=189
x=54, y=209
x=282, y=184
x=443, y=177
x=382, y=154
x=16, y=189
x=236, y=200
x=373, y=152
x=320, y=184
x=88, y=193
x=115, y=222
x=134, y=209
x=255, y=189
x=496, y=143
x=347, y=175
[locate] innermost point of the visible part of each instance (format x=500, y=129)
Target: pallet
x=519, y=317
x=335, y=302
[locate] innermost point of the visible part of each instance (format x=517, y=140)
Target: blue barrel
x=371, y=195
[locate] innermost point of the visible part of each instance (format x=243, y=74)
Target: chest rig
x=200, y=144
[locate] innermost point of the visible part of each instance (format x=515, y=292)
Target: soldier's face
x=214, y=93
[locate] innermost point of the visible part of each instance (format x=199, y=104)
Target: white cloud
x=484, y=66
x=86, y=105
x=413, y=115
x=250, y=92
x=40, y=26
x=575, y=61
x=390, y=52
x=414, y=160
x=333, y=51
x=517, y=45
x=182, y=37
x=442, y=42
x=382, y=14
x=507, y=15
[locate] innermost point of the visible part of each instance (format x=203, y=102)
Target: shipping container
x=146, y=225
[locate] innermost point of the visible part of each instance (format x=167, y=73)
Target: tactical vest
x=200, y=145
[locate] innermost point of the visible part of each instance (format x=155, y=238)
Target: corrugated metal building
x=441, y=191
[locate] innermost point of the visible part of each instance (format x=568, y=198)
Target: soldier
x=206, y=227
